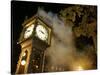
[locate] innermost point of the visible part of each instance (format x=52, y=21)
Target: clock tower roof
x=37, y=16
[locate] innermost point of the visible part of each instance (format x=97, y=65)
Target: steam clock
x=34, y=39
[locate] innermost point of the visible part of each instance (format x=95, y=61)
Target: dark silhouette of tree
x=84, y=19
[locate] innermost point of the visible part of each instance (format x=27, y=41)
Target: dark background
x=19, y=10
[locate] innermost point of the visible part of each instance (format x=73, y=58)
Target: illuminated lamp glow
x=79, y=68
x=36, y=66
x=23, y=62
x=24, y=54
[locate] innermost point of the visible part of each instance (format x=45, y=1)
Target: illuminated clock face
x=41, y=32
x=29, y=31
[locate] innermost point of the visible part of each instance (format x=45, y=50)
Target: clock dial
x=29, y=31
x=41, y=32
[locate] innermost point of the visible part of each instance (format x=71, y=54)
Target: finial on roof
x=26, y=17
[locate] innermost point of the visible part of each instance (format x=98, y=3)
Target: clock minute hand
x=28, y=30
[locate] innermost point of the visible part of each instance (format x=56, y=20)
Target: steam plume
x=62, y=50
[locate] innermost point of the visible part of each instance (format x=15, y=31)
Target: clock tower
x=34, y=39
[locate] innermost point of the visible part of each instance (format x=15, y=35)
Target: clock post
x=34, y=40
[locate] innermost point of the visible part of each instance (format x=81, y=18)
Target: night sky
x=19, y=10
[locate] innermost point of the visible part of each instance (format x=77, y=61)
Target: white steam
x=62, y=50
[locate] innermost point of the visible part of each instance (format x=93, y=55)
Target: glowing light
x=41, y=32
x=23, y=62
x=78, y=68
x=29, y=31
x=24, y=54
x=17, y=43
x=37, y=66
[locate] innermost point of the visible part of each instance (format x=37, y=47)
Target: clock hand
x=41, y=31
x=28, y=31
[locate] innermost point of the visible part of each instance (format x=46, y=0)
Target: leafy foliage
x=84, y=19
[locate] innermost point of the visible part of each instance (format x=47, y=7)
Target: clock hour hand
x=41, y=31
